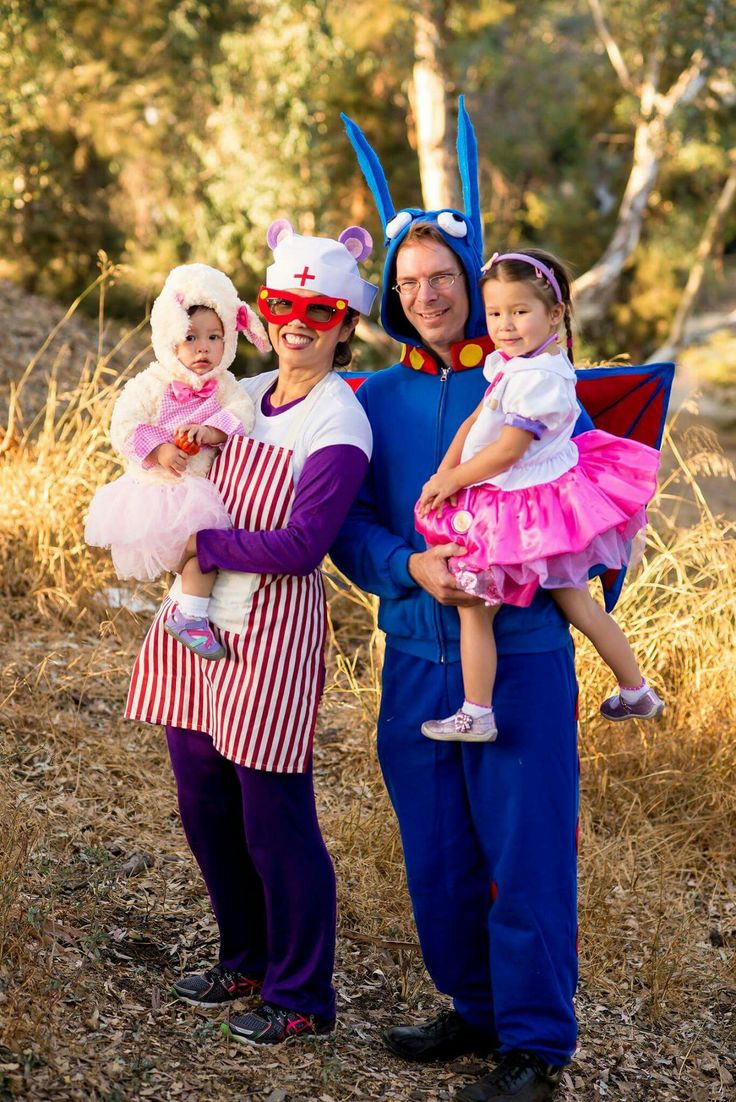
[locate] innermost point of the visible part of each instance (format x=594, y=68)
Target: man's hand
x=170, y=458
x=202, y=434
x=440, y=487
x=429, y=570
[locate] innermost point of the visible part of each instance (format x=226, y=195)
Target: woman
x=240, y=730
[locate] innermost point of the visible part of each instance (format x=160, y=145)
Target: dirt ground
x=112, y=910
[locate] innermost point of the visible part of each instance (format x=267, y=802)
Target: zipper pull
x=444, y=372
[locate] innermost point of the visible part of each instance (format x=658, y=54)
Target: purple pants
x=257, y=842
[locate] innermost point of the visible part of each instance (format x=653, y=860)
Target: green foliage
x=174, y=131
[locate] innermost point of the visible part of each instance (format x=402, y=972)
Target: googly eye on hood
x=397, y=224
x=452, y=223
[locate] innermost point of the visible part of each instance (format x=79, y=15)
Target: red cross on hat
x=304, y=276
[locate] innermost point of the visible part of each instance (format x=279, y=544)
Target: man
x=488, y=829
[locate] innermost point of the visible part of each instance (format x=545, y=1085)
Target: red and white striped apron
x=259, y=703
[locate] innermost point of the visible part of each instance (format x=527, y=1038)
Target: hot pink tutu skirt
x=147, y=524
x=552, y=534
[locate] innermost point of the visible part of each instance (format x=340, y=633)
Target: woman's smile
x=296, y=340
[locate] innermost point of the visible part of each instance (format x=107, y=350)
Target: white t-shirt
x=330, y=414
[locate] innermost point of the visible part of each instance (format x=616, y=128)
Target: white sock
x=475, y=710
x=630, y=696
x=195, y=607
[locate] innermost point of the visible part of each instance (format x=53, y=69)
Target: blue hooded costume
x=489, y=829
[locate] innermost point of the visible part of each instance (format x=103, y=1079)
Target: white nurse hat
x=321, y=264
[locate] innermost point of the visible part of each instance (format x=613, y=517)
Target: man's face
x=438, y=314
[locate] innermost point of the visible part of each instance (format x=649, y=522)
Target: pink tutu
x=147, y=524
x=549, y=535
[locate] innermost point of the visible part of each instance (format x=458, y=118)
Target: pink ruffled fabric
x=147, y=524
x=550, y=535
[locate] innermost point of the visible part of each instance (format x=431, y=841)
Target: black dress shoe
x=520, y=1077
x=444, y=1038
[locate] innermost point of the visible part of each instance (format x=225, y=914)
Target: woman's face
x=302, y=348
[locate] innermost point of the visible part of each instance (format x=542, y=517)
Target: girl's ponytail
x=568, y=330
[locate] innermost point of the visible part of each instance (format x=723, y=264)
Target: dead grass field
x=101, y=907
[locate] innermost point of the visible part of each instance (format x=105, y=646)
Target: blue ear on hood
x=461, y=232
x=467, y=159
x=372, y=170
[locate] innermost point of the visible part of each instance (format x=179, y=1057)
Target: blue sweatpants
x=489, y=836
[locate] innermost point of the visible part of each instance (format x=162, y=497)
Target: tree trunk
x=711, y=234
x=595, y=288
x=428, y=99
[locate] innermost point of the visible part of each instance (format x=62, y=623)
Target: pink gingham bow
x=183, y=392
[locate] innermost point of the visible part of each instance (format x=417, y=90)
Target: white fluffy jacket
x=145, y=414
x=141, y=403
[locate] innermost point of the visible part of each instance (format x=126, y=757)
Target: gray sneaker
x=648, y=706
x=215, y=987
x=461, y=727
x=272, y=1025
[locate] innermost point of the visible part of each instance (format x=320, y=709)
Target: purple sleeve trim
x=329, y=481
x=226, y=422
x=516, y=421
x=145, y=439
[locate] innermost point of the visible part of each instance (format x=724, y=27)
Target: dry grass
x=99, y=903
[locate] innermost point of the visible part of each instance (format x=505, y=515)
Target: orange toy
x=183, y=442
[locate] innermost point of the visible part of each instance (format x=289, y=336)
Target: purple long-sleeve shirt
x=327, y=486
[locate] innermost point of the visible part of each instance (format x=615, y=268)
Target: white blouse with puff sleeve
x=536, y=394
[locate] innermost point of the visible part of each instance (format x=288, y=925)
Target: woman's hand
x=442, y=486
x=202, y=434
x=170, y=458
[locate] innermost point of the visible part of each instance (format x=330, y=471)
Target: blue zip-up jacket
x=414, y=417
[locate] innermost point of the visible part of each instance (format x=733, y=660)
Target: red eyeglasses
x=317, y=311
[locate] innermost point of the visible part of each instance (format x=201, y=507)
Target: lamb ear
x=249, y=324
x=277, y=231
x=357, y=241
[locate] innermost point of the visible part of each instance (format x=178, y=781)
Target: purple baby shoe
x=648, y=706
x=194, y=633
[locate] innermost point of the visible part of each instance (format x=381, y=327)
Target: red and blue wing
x=630, y=402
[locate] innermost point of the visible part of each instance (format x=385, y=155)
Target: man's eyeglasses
x=316, y=311
x=440, y=282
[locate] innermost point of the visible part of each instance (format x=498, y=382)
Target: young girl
x=537, y=508
x=166, y=423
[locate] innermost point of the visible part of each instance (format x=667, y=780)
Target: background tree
x=172, y=131
x=673, y=47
